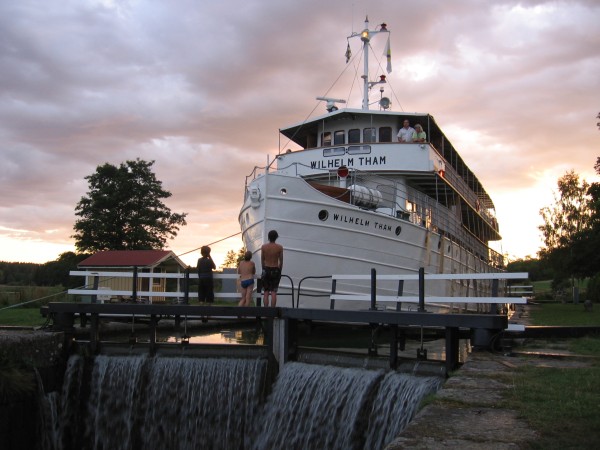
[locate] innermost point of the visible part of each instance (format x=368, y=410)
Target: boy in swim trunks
x=271, y=258
x=246, y=270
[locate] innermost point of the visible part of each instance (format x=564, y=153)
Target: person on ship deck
x=419, y=135
x=405, y=134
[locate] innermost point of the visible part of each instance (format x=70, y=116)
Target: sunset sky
x=202, y=88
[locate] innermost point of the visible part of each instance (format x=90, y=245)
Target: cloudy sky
x=202, y=87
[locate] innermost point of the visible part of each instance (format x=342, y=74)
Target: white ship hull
x=323, y=236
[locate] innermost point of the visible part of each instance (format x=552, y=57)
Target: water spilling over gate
x=122, y=402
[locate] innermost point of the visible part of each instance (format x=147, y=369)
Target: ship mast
x=365, y=37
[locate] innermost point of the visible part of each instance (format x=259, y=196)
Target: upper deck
x=356, y=136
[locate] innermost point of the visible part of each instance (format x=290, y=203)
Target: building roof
x=130, y=258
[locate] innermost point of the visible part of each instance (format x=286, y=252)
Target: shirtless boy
x=246, y=270
x=271, y=258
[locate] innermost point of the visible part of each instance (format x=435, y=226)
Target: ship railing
x=421, y=299
x=462, y=187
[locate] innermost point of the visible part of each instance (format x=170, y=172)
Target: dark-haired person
x=205, y=267
x=271, y=258
x=405, y=134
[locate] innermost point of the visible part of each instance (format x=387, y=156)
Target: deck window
x=354, y=136
x=369, y=135
x=326, y=139
x=385, y=134
x=334, y=151
x=339, y=137
x=359, y=149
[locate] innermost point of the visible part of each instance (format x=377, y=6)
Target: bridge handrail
x=373, y=298
x=104, y=291
x=172, y=275
x=439, y=276
x=430, y=299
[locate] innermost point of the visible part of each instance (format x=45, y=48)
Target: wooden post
x=400, y=293
x=421, y=289
x=451, y=348
x=152, y=329
x=394, y=348
x=186, y=292
x=494, y=306
x=373, y=289
x=94, y=333
x=96, y=284
x=134, y=287
x=333, y=288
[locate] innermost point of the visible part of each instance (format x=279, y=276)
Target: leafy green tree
x=569, y=215
x=232, y=259
x=563, y=225
x=123, y=210
x=586, y=243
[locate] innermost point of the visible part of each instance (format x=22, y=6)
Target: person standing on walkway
x=246, y=270
x=205, y=267
x=271, y=258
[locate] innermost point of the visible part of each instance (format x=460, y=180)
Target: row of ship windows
x=354, y=136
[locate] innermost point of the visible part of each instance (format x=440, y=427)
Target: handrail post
x=186, y=292
x=421, y=289
x=400, y=294
x=96, y=285
x=333, y=288
x=134, y=287
x=494, y=306
x=373, y=289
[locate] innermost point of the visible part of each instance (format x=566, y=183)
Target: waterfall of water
x=159, y=403
x=120, y=402
x=329, y=407
x=395, y=404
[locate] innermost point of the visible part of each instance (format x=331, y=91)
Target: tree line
x=52, y=273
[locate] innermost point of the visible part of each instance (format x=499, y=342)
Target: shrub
x=593, y=289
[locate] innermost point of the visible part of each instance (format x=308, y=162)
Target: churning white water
x=131, y=402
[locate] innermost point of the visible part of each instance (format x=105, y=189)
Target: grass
x=24, y=317
x=564, y=314
x=561, y=404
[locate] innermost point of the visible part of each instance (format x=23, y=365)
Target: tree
x=232, y=259
x=569, y=215
x=586, y=246
x=563, y=224
x=123, y=210
x=536, y=270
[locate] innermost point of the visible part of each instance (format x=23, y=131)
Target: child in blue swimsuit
x=246, y=270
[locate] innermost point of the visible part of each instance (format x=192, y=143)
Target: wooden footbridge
x=280, y=325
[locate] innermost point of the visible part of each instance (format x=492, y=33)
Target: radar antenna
x=331, y=103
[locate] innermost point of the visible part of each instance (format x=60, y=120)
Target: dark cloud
x=202, y=87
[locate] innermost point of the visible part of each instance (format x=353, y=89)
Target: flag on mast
x=348, y=53
x=388, y=55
